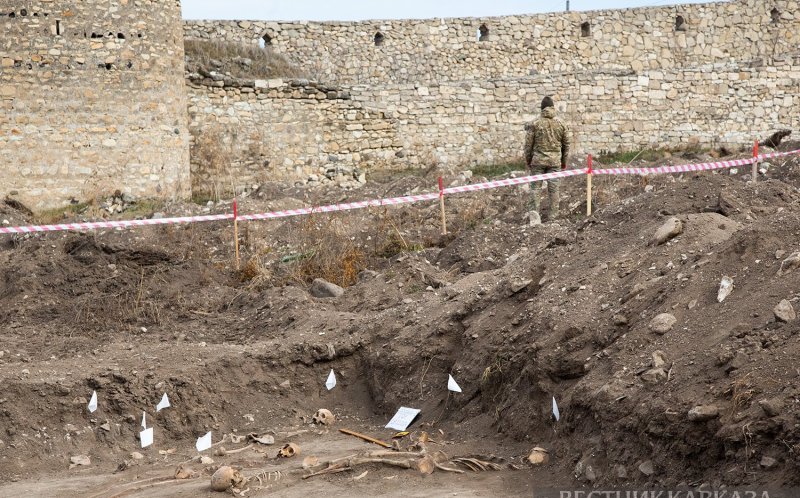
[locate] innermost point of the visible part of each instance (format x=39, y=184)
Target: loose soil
x=518, y=314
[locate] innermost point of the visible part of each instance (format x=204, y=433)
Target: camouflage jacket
x=547, y=140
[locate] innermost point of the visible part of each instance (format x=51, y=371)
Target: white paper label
x=164, y=403
x=402, y=419
x=331, y=382
x=452, y=385
x=93, y=402
x=556, y=414
x=203, y=443
x=146, y=437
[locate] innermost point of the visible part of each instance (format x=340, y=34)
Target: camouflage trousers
x=552, y=189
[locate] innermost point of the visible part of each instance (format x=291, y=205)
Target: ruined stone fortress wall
x=93, y=99
x=432, y=91
x=418, y=51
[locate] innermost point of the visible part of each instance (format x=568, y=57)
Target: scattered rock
x=323, y=289
x=310, y=461
x=728, y=204
x=772, y=407
x=768, y=462
x=702, y=413
x=646, y=468
x=206, y=460
x=620, y=320
x=286, y=384
x=725, y=288
x=739, y=360
x=784, y=312
x=137, y=456
x=662, y=323
x=539, y=456
x=621, y=472
x=106, y=427
x=790, y=263
x=79, y=460
x=226, y=478
x=692, y=304
x=654, y=376
x=659, y=359
x=668, y=231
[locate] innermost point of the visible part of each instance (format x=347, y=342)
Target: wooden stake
x=365, y=438
x=589, y=188
x=236, y=233
x=755, y=162
x=441, y=206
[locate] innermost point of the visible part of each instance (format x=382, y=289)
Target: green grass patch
x=629, y=156
x=495, y=170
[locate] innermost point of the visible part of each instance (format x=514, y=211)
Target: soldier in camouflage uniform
x=547, y=143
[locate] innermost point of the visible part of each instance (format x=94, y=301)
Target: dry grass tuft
x=263, y=62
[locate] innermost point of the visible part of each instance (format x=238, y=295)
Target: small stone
x=620, y=320
x=702, y=413
x=790, y=263
x=206, y=460
x=654, y=376
x=79, y=460
x=106, y=427
x=137, y=456
x=784, y=312
x=668, y=231
x=534, y=218
x=590, y=474
x=286, y=384
x=725, y=288
x=768, y=462
x=662, y=323
x=621, y=472
x=659, y=359
x=692, y=304
x=772, y=407
x=321, y=288
x=646, y=468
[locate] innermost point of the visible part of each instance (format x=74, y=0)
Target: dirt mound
x=518, y=314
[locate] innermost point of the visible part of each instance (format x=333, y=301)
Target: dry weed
x=264, y=63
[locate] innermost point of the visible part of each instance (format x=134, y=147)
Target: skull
x=323, y=417
x=289, y=450
x=225, y=478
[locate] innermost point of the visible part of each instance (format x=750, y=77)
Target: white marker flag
x=146, y=437
x=331, y=382
x=93, y=402
x=203, y=443
x=402, y=419
x=164, y=403
x=556, y=413
x=144, y=420
x=452, y=385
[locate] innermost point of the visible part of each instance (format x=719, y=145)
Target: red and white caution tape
x=394, y=201
x=92, y=225
x=515, y=181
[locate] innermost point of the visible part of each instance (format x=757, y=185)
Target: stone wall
x=93, y=99
x=280, y=129
x=437, y=50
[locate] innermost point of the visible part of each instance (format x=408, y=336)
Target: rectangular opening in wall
x=59, y=28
